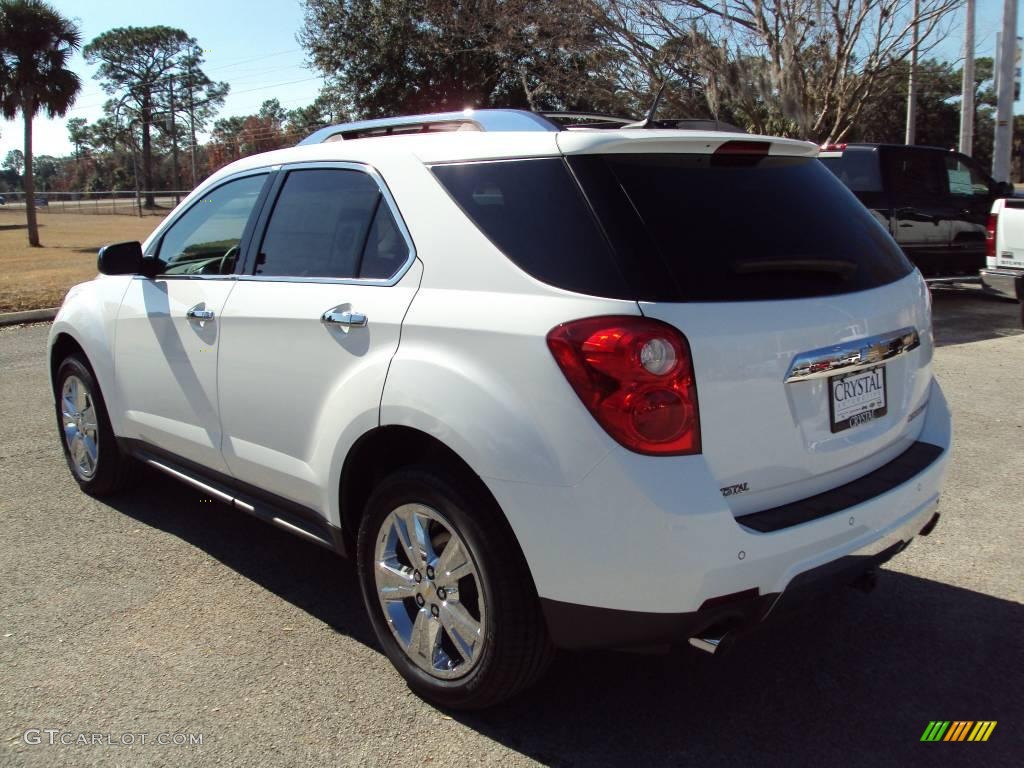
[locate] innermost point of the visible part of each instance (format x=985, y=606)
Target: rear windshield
x=680, y=227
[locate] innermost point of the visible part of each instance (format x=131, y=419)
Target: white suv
x=549, y=387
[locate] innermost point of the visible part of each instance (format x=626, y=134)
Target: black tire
x=515, y=648
x=113, y=470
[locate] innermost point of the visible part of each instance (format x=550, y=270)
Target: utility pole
x=967, y=99
x=174, y=145
x=1004, y=93
x=192, y=123
x=911, y=137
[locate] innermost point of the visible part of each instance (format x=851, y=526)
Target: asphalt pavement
x=158, y=620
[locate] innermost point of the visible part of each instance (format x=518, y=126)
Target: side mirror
x=120, y=259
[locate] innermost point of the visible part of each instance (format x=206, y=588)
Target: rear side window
x=533, y=211
x=385, y=251
x=857, y=169
x=965, y=178
x=739, y=227
x=331, y=223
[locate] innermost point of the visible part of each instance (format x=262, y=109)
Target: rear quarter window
x=534, y=212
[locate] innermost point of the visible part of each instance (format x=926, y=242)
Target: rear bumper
x=1006, y=282
x=581, y=626
x=641, y=549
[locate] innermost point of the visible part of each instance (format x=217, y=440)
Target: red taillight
x=833, y=147
x=635, y=375
x=990, y=235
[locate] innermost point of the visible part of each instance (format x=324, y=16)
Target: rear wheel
x=449, y=594
x=90, y=448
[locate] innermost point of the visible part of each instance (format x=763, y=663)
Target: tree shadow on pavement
x=282, y=563
x=850, y=681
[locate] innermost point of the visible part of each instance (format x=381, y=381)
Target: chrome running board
x=253, y=507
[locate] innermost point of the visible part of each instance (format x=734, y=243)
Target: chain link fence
x=127, y=202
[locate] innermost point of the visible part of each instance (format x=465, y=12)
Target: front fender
x=88, y=316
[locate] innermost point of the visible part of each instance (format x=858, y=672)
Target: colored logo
x=958, y=730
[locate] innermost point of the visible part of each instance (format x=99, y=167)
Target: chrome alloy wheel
x=430, y=591
x=78, y=420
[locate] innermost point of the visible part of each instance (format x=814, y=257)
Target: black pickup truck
x=934, y=202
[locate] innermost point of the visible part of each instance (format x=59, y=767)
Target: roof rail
x=500, y=120
x=690, y=124
x=572, y=120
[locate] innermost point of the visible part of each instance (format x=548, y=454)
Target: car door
x=168, y=326
x=922, y=209
x=310, y=329
x=972, y=191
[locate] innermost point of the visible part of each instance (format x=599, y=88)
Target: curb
x=30, y=316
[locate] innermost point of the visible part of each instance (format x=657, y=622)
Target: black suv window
x=331, y=223
x=916, y=173
x=857, y=168
x=204, y=240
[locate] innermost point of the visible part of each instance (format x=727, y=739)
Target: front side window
x=331, y=223
x=205, y=239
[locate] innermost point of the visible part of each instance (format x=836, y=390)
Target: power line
x=201, y=102
x=185, y=75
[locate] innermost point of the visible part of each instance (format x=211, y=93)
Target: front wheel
x=448, y=592
x=91, y=450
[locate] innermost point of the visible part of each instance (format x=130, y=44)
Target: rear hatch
x=809, y=329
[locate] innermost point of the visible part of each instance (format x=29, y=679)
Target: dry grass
x=31, y=278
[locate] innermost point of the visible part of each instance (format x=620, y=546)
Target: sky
x=251, y=45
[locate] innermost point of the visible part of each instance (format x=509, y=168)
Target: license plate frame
x=869, y=407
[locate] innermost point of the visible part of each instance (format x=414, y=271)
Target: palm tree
x=36, y=43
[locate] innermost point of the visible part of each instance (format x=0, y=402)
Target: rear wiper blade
x=832, y=266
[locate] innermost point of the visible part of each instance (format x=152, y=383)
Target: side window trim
x=243, y=245
x=248, y=264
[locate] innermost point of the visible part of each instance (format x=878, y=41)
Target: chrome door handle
x=348, y=319
x=199, y=314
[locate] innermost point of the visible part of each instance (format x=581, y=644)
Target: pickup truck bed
x=1004, y=260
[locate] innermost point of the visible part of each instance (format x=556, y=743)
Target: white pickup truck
x=1004, y=250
